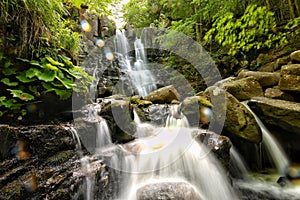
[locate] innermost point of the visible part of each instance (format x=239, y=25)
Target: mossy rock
x=141, y=103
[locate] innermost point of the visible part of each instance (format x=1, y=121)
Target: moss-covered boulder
x=240, y=122
x=163, y=95
x=290, y=78
x=243, y=89
x=264, y=78
x=295, y=56
x=140, y=102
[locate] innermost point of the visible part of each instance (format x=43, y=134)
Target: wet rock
x=157, y=113
x=290, y=78
x=278, y=113
x=52, y=169
x=269, y=67
x=240, y=122
x=141, y=103
x=283, y=61
x=276, y=93
x=295, y=56
x=168, y=191
x=34, y=140
x=243, y=89
x=193, y=107
x=264, y=78
x=220, y=145
x=119, y=116
x=163, y=95
x=266, y=191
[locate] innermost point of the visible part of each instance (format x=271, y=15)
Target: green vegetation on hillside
x=40, y=42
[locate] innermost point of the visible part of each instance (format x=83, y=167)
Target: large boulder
x=278, y=113
x=295, y=56
x=240, y=122
x=290, y=78
x=244, y=88
x=264, y=78
x=168, y=191
x=163, y=95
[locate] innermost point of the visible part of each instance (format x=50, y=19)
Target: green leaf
x=9, y=71
x=53, y=62
x=69, y=84
x=32, y=72
x=23, y=78
x=21, y=95
x=6, y=81
x=46, y=75
x=7, y=64
x=51, y=67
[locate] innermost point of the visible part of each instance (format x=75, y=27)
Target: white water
x=142, y=80
x=273, y=147
x=103, y=141
x=103, y=138
x=238, y=162
x=172, y=155
x=176, y=118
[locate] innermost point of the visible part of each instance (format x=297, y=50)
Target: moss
x=140, y=102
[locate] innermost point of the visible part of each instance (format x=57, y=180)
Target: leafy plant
x=256, y=29
x=39, y=77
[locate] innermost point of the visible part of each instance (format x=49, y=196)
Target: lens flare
x=100, y=43
x=109, y=56
x=86, y=27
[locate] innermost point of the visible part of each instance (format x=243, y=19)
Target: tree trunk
x=268, y=4
x=297, y=5
x=291, y=7
x=198, y=26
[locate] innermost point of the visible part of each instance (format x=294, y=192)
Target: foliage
x=256, y=29
x=41, y=39
x=46, y=75
x=140, y=13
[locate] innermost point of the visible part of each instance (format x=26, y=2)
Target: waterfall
x=176, y=118
x=238, y=164
x=103, y=138
x=172, y=155
x=273, y=147
x=140, y=77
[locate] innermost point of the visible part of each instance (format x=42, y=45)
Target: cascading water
x=141, y=78
x=273, y=147
x=170, y=155
x=176, y=118
x=238, y=164
x=103, y=138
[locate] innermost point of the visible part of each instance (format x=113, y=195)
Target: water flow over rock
x=273, y=147
x=171, y=156
x=140, y=77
